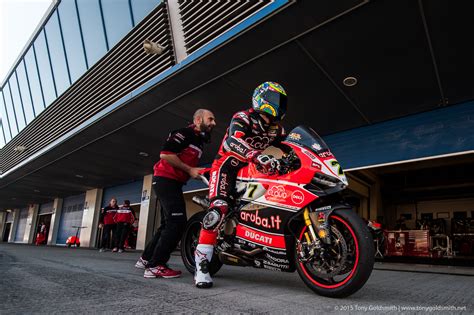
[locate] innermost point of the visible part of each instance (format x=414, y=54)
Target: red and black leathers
x=247, y=136
x=187, y=144
x=107, y=215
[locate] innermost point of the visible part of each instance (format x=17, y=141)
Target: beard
x=205, y=128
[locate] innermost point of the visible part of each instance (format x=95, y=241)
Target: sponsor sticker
x=294, y=136
x=237, y=147
x=297, y=197
x=272, y=222
x=212, y=183
x=277, y=192
x=325, y=154
x=260, y=237
x=259, y=143
x=223, y=185
x=316, y=146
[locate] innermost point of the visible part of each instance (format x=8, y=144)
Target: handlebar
x=204, y=179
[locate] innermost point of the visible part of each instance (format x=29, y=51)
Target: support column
x=55, y=218
x=177, y=30
x=16, y=218
x=30, y=229
x=148, y=213
x=90, y=218
x=3, y=219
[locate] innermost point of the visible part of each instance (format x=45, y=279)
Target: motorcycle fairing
x=270, y=202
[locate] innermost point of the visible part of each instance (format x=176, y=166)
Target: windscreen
x=307, y=137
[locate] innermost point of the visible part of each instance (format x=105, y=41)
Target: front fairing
x=309, y=145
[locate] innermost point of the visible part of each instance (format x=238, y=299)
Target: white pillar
x=55, y=218
x=16, y=218
x=147, y=213
x=177, y=30
x=3, y=218
x=90, y=218
x=30, y=228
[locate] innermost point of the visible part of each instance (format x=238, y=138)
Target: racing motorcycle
x=293, y=219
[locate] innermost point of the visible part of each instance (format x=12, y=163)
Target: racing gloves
x=266, y=163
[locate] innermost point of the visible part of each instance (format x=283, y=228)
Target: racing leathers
x=247, y=136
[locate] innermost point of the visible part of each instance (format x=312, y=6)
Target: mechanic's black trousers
x=173, y=221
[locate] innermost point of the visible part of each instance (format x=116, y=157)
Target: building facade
x=84, y=109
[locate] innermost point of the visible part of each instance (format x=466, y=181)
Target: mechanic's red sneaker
x=161, y=271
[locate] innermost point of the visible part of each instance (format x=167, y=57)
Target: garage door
x=21, y=227
x=71, y=215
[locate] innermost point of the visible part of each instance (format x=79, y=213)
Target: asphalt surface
x=62, y=280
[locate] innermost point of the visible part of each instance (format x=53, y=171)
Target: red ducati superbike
x=293, y=220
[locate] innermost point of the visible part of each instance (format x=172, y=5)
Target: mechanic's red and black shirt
x=187, y=144
x=124, y=214
x=107, y=214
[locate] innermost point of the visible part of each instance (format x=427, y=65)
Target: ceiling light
x=143, y=154
x=19, y=148
x=79, y=176
x=349, y=81
x=36, y=191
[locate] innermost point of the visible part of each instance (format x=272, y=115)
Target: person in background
x=41, y=236
x=124, y=218
x=179, y=159
x=107, y=224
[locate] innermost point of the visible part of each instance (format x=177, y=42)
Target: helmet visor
x=278, y=101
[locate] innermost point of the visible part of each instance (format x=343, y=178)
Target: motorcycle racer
x=250, y=132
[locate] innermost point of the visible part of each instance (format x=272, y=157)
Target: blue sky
x=18, y=21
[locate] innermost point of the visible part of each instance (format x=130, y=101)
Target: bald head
x=204, y=120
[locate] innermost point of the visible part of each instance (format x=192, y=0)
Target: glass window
x=72, y=39
x=92, y=30
x=25, y=92
x=142, y=8
x=10, y=109
x=17, y=102
x=118, y=21
x=35, y=84
x=3, y=140
x=4, y=117
x=56, y=50
x=45, y=69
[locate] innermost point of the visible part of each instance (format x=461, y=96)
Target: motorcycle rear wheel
x=360, y=262
x=189, y=243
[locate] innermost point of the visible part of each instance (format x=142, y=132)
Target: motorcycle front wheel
x=345, y=265
x=189, y=241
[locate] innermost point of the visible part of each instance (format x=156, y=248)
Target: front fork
x=317, y=235
x=317, y=224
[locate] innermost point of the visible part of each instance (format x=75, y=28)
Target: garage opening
x=132, y=192
x=43, y=223
x=426, y=208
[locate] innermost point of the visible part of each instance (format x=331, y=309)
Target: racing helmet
x=270, y=98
